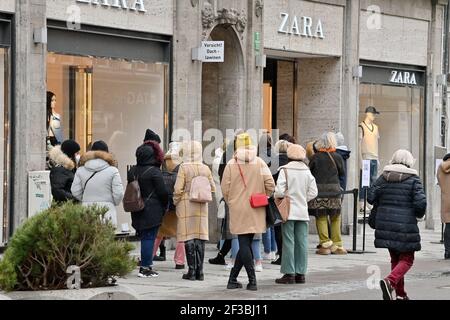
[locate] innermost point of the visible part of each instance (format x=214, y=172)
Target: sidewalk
x=328, y=276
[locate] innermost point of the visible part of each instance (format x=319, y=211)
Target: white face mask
x=77, y=158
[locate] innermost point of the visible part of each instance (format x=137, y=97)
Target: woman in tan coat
x=444, y=182
x=245, y=175
x=192, y=226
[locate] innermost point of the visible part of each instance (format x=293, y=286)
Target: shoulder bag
x=284, y=204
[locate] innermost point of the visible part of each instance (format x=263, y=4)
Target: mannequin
x=368, y=145
x=54, y=127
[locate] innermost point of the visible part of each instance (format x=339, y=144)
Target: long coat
x=398, y=199
x=151, y=182
x=243, y=218
x=104, y=188
x=61, y=175
x=192, y=216
x=443, y=176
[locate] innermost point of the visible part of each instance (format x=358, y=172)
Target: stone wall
x=7, y=6
x=285, y=97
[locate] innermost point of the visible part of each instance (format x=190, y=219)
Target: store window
x=400, y=119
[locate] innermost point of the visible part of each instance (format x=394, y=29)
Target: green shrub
x=42, y=249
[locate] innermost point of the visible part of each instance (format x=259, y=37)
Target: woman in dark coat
x=327, y=167
x=62, y=164
x=399, y=200
x=153, y=191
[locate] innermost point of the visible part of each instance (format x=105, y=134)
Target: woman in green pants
x=296, y=181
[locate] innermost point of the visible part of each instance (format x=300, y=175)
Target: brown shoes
x=300, y=278
x=338, y=250
x=286, y=279
x=325, y=248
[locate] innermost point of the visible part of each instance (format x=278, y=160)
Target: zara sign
x=133, y=5
x=403, y=77
x=301, y=26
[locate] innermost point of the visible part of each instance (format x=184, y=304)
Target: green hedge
x=42, y=249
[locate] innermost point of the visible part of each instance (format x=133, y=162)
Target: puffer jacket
x=151, y=182
x=62, y=170
x=399, y=200
x=104, y=188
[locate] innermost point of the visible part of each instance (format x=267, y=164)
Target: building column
x=350, y=103
x=29, y=104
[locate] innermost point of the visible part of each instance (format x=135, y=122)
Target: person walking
x=153, y=190
x=63, y=161
x=327, y=167
x=244, y=176
x=398, y=200
x=443, y=176
x=192, y=215
x=97, y=180
x=281, y=148
x=297, y=182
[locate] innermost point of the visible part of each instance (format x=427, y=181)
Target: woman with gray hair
x=399, y=200
x=327, y=167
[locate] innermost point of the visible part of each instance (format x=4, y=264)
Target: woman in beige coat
x=444, y=182
x=192, y=226
x=245, y=175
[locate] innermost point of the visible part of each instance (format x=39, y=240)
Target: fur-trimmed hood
x=97, y=160
x=60, y=159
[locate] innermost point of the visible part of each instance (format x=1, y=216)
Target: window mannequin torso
x=368, y=137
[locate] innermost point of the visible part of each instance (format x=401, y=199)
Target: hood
x=247, y=154
x=192, y=152
x=158, y=153
x=343, y=152
x=146, y=156
x=98, y=155
x=60, y=159
x=446, y=166
x=296, y=165
x=398, y=173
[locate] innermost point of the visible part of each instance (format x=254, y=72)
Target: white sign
x=365, y=173
x=133, y=5
x=39, y=192
x=213, y=51
x=301, y=26
x=402, y=77
x=438, y=164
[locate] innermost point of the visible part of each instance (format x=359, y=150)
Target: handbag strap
x=287, y=185
x=240, y=171
x=334, y=162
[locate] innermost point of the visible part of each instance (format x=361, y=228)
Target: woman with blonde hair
x=192, y=227
x=327, y=167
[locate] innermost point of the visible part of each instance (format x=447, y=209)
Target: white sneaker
x=267, y=256
x=229, y=266
x=259, y=267
x=274, y=255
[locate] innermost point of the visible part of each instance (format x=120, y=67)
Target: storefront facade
x=302, y=67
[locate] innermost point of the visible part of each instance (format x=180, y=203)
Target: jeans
x=400, y=265
x=373, y=178
x=269, y=241
x=322, y=229
x=148, y=237
x=256, y=248
x=295, y=247
x=447, y=239
x=244, y=256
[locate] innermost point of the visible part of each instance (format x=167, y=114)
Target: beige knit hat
x=296, y=152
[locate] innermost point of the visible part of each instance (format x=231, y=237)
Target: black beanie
x=70, y=148
x=100, y=146
x=150, y=135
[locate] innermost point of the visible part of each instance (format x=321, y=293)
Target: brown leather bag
x=284, y=204
x=132, y=199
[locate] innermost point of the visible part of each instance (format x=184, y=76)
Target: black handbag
x=273, y=215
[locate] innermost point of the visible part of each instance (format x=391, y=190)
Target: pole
x=355, y=217
x=364, y=219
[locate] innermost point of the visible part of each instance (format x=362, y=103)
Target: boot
x=191, y=260
x=220, y=260
x=251, y=278
x=200, y=255
x=232, y=281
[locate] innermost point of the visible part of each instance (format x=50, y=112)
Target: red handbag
x=257, y=200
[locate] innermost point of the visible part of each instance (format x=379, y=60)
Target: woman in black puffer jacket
x=399, y=200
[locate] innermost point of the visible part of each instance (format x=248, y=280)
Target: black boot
x=200, y=255
x=220, y=260
x=191, y=260
x=232, y=281
x=162, y=253
x=251, y=278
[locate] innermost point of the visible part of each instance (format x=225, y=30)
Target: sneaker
x=273, y=256
x=277, y=262
x=259, y=267
x=147, y=273
x=387, y=289
x=267, y=256
x=229, y=266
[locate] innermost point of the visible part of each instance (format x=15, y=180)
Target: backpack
x=200, y=190
x=170, y=179
x=132, y=199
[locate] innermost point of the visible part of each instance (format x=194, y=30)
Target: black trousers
x=447, y=238
x=244, y=257
x=226, y=247
x=279, y=239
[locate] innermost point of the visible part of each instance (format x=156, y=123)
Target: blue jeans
x=256, y=248
x=269, y=241
x=148, y=237
x=373, y=178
